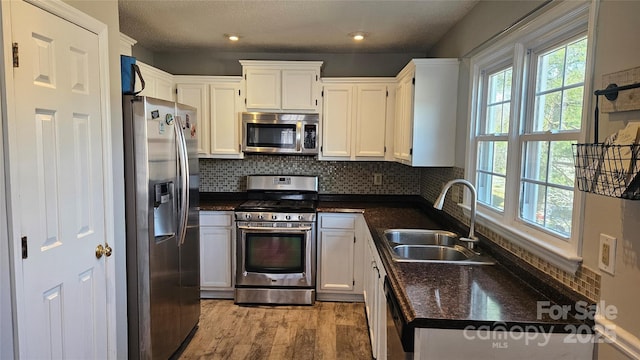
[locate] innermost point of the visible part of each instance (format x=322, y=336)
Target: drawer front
x=216, y=218
x=337, y=222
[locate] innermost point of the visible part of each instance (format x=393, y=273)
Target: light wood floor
x=326, y=330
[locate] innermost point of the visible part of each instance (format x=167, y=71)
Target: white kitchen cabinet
x=337, y=115
x=355, y=114
x=217, y=243
x=425, y=121
x=374, y=297
x=340, y=254
x=196, y=95
x=158, y=84
x=217, y=99
x=281, y=85
x=225, y=129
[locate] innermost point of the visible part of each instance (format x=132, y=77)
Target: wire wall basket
x=610, y=170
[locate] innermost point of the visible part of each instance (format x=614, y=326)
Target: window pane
x=535, y=159
x=498, y=102
x=572, y=109
x=561, y=168
x=576, y=62
x=492, y=156
x=500, y=86
x=550, y=70
x=494, y=119
x=532, y=204
x=491, y=190
x=559, y=210
x=559, y=88
x=547, y=111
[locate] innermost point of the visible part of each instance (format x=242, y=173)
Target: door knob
x=107, y=250
x=100, y=250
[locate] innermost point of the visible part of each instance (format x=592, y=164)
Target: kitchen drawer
x=216, y=218
x=337, y=222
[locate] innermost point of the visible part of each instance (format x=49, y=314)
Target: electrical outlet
x=377, y=179
x=607, y=254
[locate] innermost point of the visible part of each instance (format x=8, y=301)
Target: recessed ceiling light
x=358, y=36
x=232, y=37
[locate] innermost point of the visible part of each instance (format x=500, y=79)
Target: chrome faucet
x=471, y=239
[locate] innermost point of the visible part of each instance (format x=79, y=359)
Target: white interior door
x=57, y=166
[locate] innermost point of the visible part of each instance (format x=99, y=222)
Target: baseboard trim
x=618, y=337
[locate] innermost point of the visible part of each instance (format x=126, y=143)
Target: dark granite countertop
x=444, y=295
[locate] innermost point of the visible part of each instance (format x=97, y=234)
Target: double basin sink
x=434, y=246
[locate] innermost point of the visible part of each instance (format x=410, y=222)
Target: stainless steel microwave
x=279, y=133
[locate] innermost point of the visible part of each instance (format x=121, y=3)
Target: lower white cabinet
x=340, y=254
x=217, y=243
x=374, y=297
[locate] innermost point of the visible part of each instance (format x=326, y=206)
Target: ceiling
x=311, y=26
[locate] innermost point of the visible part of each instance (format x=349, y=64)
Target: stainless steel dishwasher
x=399, y=333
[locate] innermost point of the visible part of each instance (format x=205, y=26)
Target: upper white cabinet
x=158, y=84
x=281, y=85
x=195, y=94
x=225, y=132
x=217, y=99
x=425, y=114
x=356, y=112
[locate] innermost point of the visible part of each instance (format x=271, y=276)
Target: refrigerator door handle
x=184, y=179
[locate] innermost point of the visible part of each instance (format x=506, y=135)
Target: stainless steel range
x=276, y=249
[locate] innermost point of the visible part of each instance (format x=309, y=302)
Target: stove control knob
x=300, y=217
x=260, y=216
x=288, y=217
x=247, y=216
x=274, y=217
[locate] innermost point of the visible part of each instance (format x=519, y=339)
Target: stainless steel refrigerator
x=162, y=225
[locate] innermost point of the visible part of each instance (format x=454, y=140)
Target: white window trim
x=561, y=20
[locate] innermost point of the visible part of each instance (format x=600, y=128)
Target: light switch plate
x=377, y=179
x=607, y=254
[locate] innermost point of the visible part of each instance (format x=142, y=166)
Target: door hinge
x=245, y=76
x=354, y=239
x=316, y=102
x=413, y=81
x=16, y=58
x=25, y=251
x=320, y=149
x=322, y=93
x=411, y=151
x=176, y=91
x=354, y=283
x=387, y=93
x=316, y=77
x=238, y=92
x=245, y=101
x=385, y=149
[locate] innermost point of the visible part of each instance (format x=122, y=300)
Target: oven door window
x=274, y=253
x=281, y=136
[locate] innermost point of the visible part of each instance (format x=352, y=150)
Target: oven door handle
x=253, y=228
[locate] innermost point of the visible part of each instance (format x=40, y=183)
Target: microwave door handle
x=299, y=136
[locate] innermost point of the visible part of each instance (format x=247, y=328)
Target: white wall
x=617, y=49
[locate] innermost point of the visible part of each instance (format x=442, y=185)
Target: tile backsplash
x=348, y=177
x=335, y=177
